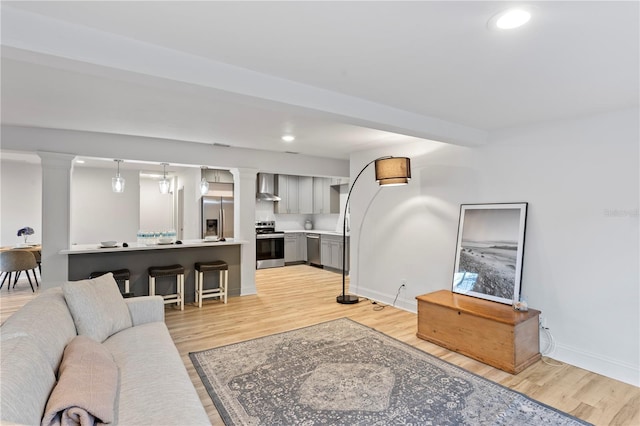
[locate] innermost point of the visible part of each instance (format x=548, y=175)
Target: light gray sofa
x=153, y=387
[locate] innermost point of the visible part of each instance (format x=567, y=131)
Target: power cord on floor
x=551, y=345
x=377, y=306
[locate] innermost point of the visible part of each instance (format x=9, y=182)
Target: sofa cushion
x=87, y=385
x=47, y=320
x=26, y=381
x=144, y=309
x=155, y=388
x=97, y=307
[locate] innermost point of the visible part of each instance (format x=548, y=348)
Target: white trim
x=613, y=368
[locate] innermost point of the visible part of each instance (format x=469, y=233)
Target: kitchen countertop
x=96, y=248
x=311, y=231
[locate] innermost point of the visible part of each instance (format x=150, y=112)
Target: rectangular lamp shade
x=393, y=171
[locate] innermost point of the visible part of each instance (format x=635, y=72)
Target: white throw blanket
x=87, y=386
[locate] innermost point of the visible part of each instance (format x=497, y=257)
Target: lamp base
x=347, y=299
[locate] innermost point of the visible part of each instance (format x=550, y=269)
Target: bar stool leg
x=181, y=290
x=197, y=286
x=226, y=282
x=200, y=276
x=152, y=286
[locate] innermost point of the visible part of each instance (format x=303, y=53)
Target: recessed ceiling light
x=80, y=161
x=288, y=138
x=510, y=19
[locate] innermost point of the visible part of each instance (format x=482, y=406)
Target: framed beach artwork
x=489, y=251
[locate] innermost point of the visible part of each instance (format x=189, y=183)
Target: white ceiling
x=341, y=76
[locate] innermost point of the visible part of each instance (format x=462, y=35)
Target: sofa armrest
x=145, y=309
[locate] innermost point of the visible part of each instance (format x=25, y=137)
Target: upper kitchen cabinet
x=296, y=194
x=339, y=181
x=322, y=195
x=305, y=194
x=328, y=193
x=219, y=176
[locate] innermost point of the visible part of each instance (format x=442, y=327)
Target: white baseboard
x=403, y=303
x=596, y=363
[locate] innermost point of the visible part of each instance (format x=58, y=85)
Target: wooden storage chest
x=487, y=331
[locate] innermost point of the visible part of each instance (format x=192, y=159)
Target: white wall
x=21, y=201
x=156, y=209
x=581, y=260
x=189, y=180
x=99, y=214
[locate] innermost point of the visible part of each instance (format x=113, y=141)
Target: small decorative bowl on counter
x=108, y=244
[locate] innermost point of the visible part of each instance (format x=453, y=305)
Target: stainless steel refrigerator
x=217, y=211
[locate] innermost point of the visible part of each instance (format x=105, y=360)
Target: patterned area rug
x=343, y=373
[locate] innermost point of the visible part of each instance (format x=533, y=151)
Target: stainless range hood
x=266, y=187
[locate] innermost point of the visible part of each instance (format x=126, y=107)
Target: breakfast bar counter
x=137, y=258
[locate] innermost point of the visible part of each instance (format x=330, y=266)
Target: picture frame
x=490, y=251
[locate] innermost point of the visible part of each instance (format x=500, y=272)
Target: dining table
x=29, y=247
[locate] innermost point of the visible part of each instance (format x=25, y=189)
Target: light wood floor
x=298, y=296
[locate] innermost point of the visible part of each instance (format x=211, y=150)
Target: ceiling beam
x=51, y=42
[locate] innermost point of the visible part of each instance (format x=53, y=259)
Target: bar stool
x=120, y=275
x=168, y=271
x=221, y=290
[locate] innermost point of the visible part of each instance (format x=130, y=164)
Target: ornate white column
x=244, y=215
x=56, y=216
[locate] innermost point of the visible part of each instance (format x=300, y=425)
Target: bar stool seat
x=120, y=275
x=221, y=290
x=168, y=271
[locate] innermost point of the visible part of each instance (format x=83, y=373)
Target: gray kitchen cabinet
x=305, y=194
x=331, y=251
x=302, y=246
x=287, y=190
x=295, y=247
x=325, y=251
x=290, y=248
x=321, y=195
x=296, y=194
x=340, y=181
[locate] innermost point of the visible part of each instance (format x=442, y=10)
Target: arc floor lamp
x=390, y=171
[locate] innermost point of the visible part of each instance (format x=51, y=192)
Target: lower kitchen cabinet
x=295, y=247
x=331, y=251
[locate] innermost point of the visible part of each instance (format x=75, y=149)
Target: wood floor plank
x=299, y=296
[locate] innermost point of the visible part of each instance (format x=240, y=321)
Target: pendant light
x=164, y=183
x=204, y=184
x=117, y=183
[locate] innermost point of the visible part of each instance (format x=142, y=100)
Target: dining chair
x=14, y=262
x=38, y=255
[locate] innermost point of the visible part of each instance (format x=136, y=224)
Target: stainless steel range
x=269, y=245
